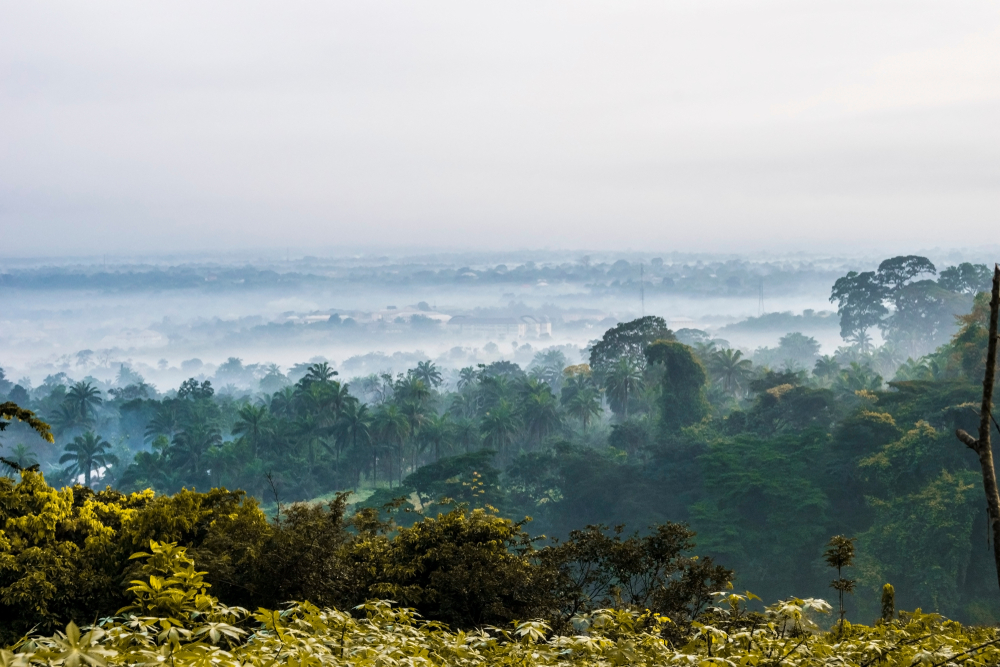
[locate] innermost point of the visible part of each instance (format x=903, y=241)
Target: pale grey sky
x=672, y=125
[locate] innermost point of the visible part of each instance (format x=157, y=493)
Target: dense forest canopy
x=752, y=465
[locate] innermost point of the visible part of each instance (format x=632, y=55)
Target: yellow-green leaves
x=174, y=590
x=382, y=635
x=73, y=650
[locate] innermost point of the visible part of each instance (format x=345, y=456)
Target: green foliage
x=966, y=278
x=628, y=340
x=378, y=633
x=763, y=506
x=466, y=568
x=172, y=590
x=919, y=540
x=9, y=411
x=859, y=299
x=682, y=387
x=594, y=569
x=923, y=312
x=775, y=463
x=86, y=453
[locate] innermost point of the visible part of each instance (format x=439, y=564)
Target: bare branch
x=968, y=440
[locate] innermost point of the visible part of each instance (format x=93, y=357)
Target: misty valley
x=489, y=442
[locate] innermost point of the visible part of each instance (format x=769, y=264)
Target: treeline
x=675, y=275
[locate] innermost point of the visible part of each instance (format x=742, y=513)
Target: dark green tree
x=82, y=400
x=622, y=382
x=966, y=278
x=87, y=453
x=896, y=272
x=428, y=373
x=888, y=603
x=682, y=386
x=730, y=370
x=859, y=298
x=500, y=427
x=540, y=411
x=628, y=340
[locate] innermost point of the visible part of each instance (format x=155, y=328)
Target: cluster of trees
x=66, y=552
x=913, y=315
x=764, y=463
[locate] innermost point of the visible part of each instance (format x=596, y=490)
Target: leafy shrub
x=173, y=620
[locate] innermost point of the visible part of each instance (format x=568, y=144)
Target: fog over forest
x=667, y=394
x=169, y=319
x=531, y=333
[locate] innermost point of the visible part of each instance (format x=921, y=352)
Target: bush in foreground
x=64, y=554
x=172, y=619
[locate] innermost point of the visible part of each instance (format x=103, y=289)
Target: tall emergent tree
x=682, y=387
x=627, y=340
x=981, y=445
x=859, y=299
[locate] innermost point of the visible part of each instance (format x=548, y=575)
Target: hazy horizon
x=694, y=126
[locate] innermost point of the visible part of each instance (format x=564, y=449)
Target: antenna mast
x=760, y=300
x=642, y=292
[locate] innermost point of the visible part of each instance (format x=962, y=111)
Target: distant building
x=512, y=327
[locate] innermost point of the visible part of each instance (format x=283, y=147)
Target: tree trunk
x=981, y=446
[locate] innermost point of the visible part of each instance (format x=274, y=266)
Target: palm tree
x=464, y=404
x=705, y=351
x=584, y=404
x=353, y=425
x=427, y=372
x=191, y=445
x=886, y=359
x=23, y=456
x=283, y=403
x=412, y=389
x=552, y=358
x=85, y=453
x=467, y=433
x=393, y=428
x=82, y=399
x=436, y=432
x=858, y=377
x=862, y=341
x=273, y=379
x=826, y=366
x=467, y=377
x=253, y=423
x=496, y=388
x=730, y=369
x=548, y=366
x=622, y=380
x=66, y=419
x=500, y=427
x=541, y=411
x=167, y=420
x=319, y=373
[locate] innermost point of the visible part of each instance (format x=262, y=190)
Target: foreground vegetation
x=173, y=619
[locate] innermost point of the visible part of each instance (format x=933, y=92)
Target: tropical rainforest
x=601, y=510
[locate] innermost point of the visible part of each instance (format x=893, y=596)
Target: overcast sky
x=674, y=125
